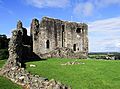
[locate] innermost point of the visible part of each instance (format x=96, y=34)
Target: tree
x=3, y=41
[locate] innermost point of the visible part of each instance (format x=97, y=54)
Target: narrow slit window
x=47, y=44
x=63, y=28
x=74, y=47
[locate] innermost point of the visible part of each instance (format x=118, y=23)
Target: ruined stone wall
x=50, y=35
x=34, y=34
x=16, y=73
x=54, y=33
x=74, y=36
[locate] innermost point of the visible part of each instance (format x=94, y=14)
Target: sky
x=102, y=17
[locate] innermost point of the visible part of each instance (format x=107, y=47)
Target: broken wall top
x=62, y=21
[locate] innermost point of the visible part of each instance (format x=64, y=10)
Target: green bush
x=4, y=54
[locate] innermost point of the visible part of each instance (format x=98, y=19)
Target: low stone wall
x=29, y=81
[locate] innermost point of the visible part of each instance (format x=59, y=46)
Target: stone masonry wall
x=52, y=33
x=13, y=68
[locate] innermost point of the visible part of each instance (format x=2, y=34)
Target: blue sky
x=102, y=16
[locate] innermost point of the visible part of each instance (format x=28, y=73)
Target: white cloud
x=112, y=24
x=28, y=31
x=105, y=3
x=85, y=9
x=48, y=3
x=104, y=35
x=118, y=45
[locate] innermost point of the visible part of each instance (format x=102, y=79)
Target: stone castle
x=57, y=38
x=49, y=38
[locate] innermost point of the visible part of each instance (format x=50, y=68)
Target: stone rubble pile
x=73, y=63
x=29, y=81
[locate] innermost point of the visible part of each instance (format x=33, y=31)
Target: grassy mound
x=89, y=74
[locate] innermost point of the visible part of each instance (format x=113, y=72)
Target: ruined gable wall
x=34, y=34
x=85, y=39
x=71, y=35
x=49, y=30
x=76, y=34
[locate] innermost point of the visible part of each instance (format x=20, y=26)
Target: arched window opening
x=78, y=30
x=74, y=47
x=47, y=44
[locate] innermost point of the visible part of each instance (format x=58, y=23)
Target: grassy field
x=2, y=62
x=93, y=74
x=5, y=83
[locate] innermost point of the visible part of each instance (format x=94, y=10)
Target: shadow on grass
x=32, y=57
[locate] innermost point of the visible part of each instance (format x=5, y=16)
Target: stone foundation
x=63, y=52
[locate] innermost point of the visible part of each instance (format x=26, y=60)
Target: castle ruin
x=54, y=34
x=14, y=69
x=49, y=38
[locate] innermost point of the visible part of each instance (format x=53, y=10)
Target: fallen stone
x=13, y=68
x=21, y=78
x=73, y=63
x=31, y=65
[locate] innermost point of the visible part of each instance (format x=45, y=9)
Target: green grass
x=5, y=83
x=2, y=62
x=94, y=74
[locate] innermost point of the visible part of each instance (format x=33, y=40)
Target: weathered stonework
x=51, y=33
x=13, y=67
x=49, y=38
